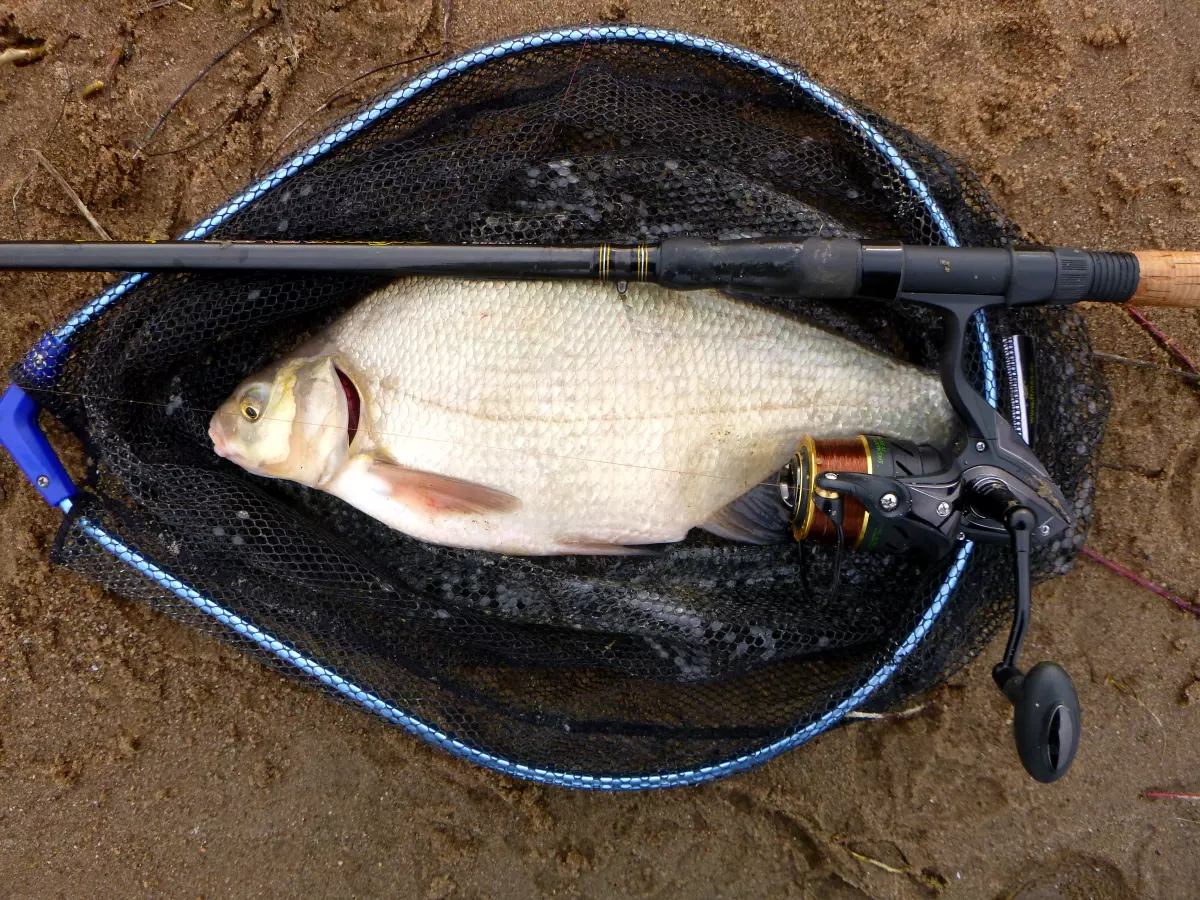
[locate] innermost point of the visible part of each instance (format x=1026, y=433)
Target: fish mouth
x=353, y=404
x=220, y=441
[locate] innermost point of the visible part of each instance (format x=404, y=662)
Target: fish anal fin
x=583, y=546
x=438, y=494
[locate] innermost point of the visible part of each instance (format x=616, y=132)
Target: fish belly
x=615, y=419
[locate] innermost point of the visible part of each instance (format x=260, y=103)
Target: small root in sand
x=1139, y=580
x=1191, y=377
x=216, y=60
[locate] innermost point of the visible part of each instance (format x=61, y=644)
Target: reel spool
x=807, y=502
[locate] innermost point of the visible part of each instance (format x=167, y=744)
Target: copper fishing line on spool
x=829, y=455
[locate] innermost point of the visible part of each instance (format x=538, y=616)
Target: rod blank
x=284, y=256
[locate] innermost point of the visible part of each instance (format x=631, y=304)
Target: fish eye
x=250, y=410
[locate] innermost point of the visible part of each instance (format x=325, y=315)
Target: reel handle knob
x=1045, y=704
x=1045, y=718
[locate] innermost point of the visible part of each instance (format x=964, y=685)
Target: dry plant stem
x=196, y=143
x=53, y=128
x=287, y=28
x=1169, y=345
x=1143, y=364
x=879, y=864
x=1169, y=795
x=1139, y=580
x=79, y=204
x=22, y=55
x=902, y=714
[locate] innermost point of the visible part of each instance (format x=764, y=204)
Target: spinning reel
x=874, y=494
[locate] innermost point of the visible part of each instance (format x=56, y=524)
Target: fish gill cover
x=634, y=668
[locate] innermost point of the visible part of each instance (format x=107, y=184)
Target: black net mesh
x=583, y=664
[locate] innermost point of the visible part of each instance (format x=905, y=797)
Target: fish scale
x=615, y=419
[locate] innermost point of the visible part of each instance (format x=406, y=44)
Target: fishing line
x=415, y=437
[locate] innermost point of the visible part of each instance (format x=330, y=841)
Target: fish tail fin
x=756, y=517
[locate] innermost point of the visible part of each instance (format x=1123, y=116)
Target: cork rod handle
x=1168, y=278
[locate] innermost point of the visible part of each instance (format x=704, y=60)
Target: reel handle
x=1045, y=703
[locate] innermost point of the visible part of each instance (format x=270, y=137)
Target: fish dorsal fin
x=437, y=494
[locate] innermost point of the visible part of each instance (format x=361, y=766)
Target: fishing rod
x=869, y=492
x=815, y=268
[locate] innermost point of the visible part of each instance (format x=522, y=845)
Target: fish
x=565, y=417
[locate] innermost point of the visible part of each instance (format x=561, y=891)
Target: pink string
x=1165, y=341
x=1169, y=795
x=1138, y=579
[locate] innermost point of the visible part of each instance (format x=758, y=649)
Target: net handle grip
x=26, y=443
x=1168, y=278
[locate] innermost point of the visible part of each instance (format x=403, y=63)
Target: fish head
x=289, y=421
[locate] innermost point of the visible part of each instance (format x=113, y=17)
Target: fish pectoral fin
x=756, y=517
x=438, y=494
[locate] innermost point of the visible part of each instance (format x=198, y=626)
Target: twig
x=161, y=4
x=902, y=714
x=196, y=143
x=337, y=94
x=1142, y=364
x=53, y=128
x=287, y=28
x=79, y=204
x=215, y=61
x=1169, y=795
x=862, y=857
x=1168, y=344
x=1136, y=470
x=446, y=6
x=1139, y=580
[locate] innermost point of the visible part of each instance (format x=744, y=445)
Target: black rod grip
x=1030, y=275
x=1095, y=275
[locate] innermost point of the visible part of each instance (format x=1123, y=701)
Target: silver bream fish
x=563, y=417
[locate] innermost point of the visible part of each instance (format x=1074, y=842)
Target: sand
x=140, y=758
